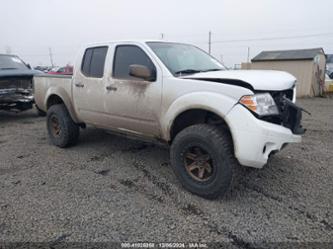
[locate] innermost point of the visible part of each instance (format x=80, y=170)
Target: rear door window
x=85, y=68
x=94, y=61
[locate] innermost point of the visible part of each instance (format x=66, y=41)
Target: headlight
x=261, y=104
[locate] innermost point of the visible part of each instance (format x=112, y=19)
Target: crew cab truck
x=213, y=119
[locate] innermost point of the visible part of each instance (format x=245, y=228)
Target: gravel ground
x=110, y=188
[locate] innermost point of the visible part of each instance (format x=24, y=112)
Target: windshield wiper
x=188, y=71
x=212, y=70
x=193, y=71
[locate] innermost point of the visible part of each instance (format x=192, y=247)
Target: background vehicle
x=329, y=83
x=213, y=119
x=15, y=84
x=44, y=69
x=67, y=70
x=329, y=74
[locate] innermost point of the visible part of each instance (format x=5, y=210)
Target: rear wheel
x=203, y=159
x=63, y=132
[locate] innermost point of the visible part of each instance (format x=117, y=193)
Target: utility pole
x=248, y=54
x=210, y=42
x=8, y=50
x=162, y=36
x=51, y=57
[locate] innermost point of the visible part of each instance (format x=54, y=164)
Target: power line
x=274, y=38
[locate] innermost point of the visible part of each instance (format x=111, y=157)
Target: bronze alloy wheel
x=202, y=158
x=55, y=126
x=63, y=132
x=198, y=164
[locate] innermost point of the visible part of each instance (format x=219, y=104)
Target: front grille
x=15, y=90
x=16, y=83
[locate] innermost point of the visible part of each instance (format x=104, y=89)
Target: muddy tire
x=63, y=132
x=202, y=158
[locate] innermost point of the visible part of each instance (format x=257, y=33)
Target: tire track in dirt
x=185, y=208
x=311, y=217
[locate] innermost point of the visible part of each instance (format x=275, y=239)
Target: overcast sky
x=30, y=28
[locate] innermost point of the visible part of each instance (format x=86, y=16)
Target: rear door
x=89, y=88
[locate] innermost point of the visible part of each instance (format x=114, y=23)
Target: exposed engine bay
x=290, y=115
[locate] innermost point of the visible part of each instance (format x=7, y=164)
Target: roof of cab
x=125, y=41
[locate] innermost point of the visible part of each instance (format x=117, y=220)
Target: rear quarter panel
x=47, y=85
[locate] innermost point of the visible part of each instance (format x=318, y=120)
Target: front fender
x=213, y=102
x=63, y=94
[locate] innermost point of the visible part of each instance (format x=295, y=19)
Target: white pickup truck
x=212, y=118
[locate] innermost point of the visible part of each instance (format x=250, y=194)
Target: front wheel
x=203, y=160
x=63, y=132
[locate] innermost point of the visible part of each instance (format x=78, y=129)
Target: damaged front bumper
x=16, y=99
x=291, y=116
x=255, y=139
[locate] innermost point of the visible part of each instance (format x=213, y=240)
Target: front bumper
x=17, y=99
x=254, y=139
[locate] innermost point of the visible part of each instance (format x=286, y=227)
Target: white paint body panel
x=150, y=108
x=250, y=136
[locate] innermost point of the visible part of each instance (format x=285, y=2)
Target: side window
x=94, y=61
x=85, y=67
x=61, y=70
x=126, y=55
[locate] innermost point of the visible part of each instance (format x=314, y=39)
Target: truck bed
x=44, y=84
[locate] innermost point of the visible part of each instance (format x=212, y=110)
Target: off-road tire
x=70, y=131
x=218, y=143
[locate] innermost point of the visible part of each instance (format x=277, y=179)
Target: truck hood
x=262, y=80
x=18, y=73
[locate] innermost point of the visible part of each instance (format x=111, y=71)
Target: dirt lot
x=109, y=188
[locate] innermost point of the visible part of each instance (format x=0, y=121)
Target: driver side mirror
x=142, y=72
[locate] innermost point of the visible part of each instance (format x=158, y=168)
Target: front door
x=133, y=104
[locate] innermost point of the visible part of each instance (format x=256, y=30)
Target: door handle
x=79, y=84
x=111, y=88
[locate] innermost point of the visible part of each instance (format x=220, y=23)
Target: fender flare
x=62, y=94
x=208, y=101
